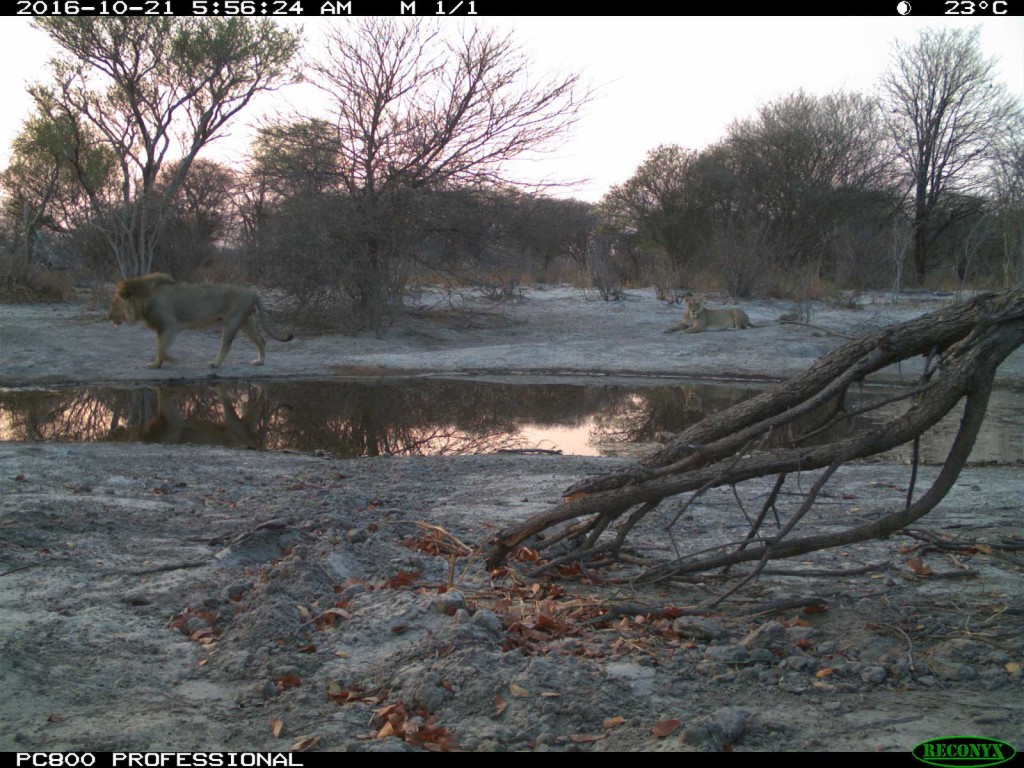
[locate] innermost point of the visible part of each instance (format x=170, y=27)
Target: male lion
x=700, y=318
x=167, y=307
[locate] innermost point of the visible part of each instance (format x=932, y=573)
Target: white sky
x=677, y=80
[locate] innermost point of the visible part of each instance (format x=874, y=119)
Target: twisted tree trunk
x=964, y=345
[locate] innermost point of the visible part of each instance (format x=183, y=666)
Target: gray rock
x=767, y=634
x=450, y=602
x=488, y=620
x=727, y=654
x=873, y=675
x=725, y=727
x=950, y=670
x=698, y=628
x=356, y=535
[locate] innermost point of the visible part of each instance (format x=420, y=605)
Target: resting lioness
x=700, y=318
x=167, y=307
x=686, y=322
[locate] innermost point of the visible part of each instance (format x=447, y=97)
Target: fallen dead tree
x=963, y=346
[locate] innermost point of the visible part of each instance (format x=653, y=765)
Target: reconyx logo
x=960, y=751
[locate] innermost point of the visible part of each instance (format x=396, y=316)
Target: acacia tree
x=413, y=112
x=41, y=181
x=945, y=113
x=152, y=89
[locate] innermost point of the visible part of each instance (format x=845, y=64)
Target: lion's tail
x=266, y=325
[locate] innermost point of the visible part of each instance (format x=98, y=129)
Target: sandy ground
x=184, y=598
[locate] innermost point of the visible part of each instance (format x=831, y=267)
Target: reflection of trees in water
x=445, y=418
x=348, y=419
x=642, y=417
x=343, y=418
x=73, y=415
x=230, y=416
x=163, y=415
x=356, y=419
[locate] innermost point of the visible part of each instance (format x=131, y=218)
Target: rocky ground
x=187, y=598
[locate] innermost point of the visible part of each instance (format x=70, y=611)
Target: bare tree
x=414, y=111
x=149, y=88
x=945, y=113
x=417, y=108
x=1007, y=190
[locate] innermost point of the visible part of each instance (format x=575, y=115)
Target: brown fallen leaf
x=500, y=705
x=518, y=691
x=55, y=718
x=304, y=742
x=823, y=672
x=275, y=727
x=665, y=728
x=286, y=681
x=586, y=738
x=918, y=567
x=613, y=722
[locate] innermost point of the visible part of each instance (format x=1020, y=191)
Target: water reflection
x=407, y=417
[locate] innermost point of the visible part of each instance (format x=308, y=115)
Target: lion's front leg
x=163, y=342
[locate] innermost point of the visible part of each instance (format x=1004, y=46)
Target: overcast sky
x=678, y=80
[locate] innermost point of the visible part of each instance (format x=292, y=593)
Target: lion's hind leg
x=230, y=330
x=252, y=330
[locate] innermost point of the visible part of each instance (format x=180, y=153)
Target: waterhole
x=409, y=417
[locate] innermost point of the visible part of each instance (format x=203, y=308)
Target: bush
x=21, y=285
